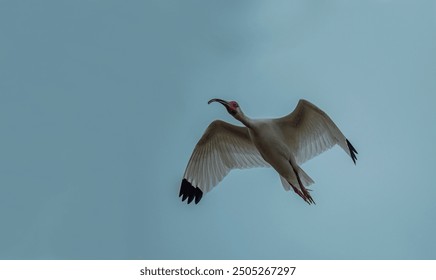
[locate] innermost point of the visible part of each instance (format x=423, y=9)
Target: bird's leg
x=305, y=194
x=300, y=193
x=297, y=191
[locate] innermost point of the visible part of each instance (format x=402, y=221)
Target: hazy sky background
x=102, y=103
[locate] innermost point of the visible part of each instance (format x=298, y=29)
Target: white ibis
x=283, y=143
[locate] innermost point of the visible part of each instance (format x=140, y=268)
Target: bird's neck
x=244, y=119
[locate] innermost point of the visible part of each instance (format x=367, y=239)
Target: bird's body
x=282, y=143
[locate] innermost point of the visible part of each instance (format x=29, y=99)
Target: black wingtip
x=353, y=151
x=188, y=191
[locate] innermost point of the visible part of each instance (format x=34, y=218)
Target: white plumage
x=283, y=143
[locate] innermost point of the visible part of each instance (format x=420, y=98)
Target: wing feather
x=222, y=147
x=310, y=131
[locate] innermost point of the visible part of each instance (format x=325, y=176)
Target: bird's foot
x=304, y=194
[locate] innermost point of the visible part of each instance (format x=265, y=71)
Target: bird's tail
x=305, y=179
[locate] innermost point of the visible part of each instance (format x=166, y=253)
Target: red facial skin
x=233, y=105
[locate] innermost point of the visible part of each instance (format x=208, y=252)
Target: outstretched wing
x=309, y=131
x=222, y=147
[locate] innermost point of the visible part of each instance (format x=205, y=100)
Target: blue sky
x=102, y=103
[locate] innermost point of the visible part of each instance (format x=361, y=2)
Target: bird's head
x=231, y=106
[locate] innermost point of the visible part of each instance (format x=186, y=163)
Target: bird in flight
x=282, y=143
